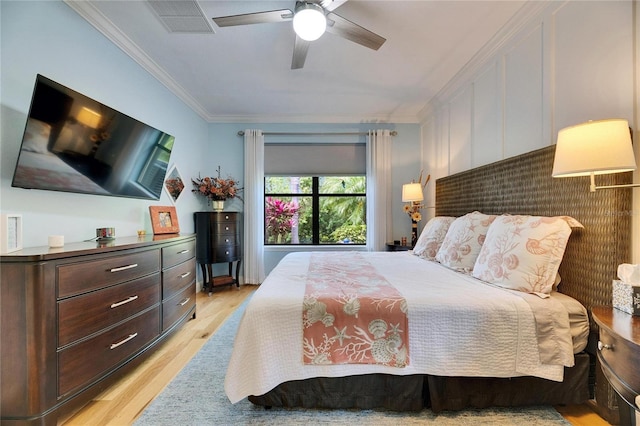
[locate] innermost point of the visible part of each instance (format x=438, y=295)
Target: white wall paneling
x=460, y=141
x=523, y=95
x=635, y=224
x=430, y=162
x=557, y=64
x=593, y=62
x=442, y=137
x=487, y=118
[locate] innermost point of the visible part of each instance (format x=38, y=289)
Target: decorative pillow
x=463, y=241
x=36, y=136
x=432, y=236
x=524, y=252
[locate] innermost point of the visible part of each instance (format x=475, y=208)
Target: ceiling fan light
x=309, y=21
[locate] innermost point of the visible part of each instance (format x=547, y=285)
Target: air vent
x=181, y=16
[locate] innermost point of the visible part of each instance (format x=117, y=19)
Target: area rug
x=196, y=397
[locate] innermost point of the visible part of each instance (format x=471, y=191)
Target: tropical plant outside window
x=315, y=210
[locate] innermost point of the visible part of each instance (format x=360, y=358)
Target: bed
x=496, y=363
x=38, y=167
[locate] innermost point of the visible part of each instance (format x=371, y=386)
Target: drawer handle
x=185, y=275
x=226, y=240
x=183, y=251
x=123, y=341
x=184, y=302
x=226, y=252
x=226, y=217
x=602, y=346
x=226, y=228
x=124, y=302
x=124, y=268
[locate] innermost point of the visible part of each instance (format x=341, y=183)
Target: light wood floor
x=127, y=399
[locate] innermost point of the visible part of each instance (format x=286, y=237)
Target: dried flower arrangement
x=216, y=188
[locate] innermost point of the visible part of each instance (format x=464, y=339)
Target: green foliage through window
x=315, y=210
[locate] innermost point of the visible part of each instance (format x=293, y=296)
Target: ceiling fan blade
x=300, y=49
x=331, y=5
x=254, y=18
x=337, y=25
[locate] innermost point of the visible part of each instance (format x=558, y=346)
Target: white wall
x=556, y=64
x=49, y=38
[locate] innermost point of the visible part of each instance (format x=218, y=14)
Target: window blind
x=314, y=159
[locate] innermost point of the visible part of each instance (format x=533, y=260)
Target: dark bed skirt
x=413, y=393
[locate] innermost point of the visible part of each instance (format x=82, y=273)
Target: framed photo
x=164, y=220
x=173, y=184
x=10, y=233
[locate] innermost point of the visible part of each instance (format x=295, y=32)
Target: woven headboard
x=523, y=185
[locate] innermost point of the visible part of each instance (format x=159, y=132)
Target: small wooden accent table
x=619, y=355
x=218, y=241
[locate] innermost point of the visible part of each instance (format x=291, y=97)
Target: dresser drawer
x=178, y=277
x=82, y=277
x=87, y=361
x=226, y=218
x=178, y=253
x=622, y=359
x=89, y=313
x=225, y=253
x=224, y=228
x=224, y=240
x=176, y=307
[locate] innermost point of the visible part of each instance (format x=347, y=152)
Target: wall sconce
x=595, y=148
x=412, y=194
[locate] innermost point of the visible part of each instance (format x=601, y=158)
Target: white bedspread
x=458, y=326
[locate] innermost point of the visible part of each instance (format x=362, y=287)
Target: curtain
x=253, y=201
x=379, y=229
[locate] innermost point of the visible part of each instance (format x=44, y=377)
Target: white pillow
x=36, y=136
x=463, y=241
x=524, y=252
x=432, y=236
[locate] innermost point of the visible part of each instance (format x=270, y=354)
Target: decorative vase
x=414, y=233
x=218, y=205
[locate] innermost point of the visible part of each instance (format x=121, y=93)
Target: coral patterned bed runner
x=351, y=314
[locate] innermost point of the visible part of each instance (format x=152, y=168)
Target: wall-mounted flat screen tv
x=73, y=143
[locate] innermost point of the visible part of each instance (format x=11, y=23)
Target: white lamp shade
x=412, y=192
x=597, y=147
x=89, y=117
x=309, y=21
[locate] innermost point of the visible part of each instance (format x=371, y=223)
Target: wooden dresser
x=619, y=356
x=218, y=241
x=75, y=319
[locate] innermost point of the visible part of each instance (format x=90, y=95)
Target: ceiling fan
x=310, y=20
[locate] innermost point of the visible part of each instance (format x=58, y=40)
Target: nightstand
x=397, y=247
x=619, y=355
x=218, y=241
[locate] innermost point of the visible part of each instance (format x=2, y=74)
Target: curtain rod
x=241, y=133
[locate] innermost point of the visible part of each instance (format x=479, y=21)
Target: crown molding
x=346, y=119
x=104, y=25
x=100, y=22
x=530, y=11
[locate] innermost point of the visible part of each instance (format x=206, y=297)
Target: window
x=152, y=174
x=315, y=210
